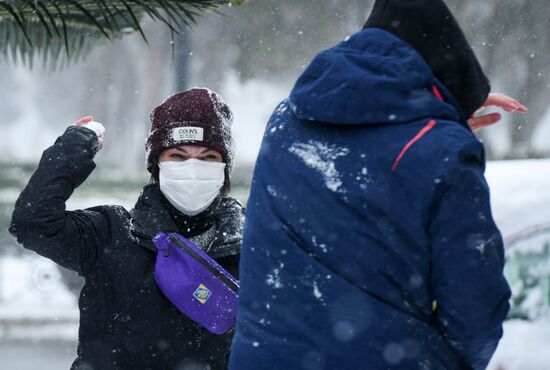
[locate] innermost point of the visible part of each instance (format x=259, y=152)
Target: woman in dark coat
x=125, y=320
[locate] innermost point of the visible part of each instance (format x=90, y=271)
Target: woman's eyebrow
x=178, y=149
x=183, y=150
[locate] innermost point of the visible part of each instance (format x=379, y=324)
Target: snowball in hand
x=95, y=127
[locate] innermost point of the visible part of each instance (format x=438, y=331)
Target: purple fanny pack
x=196, y=284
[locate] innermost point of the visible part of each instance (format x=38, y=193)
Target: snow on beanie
x=197, y=116
x=430, y=28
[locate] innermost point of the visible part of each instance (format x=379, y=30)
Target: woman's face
x=184, y=152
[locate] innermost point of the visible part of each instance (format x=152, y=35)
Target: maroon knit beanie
x=193, y=117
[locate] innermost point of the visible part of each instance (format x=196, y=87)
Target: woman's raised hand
x=495, y=100
x=96, y=127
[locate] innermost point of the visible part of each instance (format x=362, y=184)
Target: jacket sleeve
x=467, y=260
x=40, y=221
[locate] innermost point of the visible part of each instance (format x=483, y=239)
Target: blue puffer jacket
x=369, y=241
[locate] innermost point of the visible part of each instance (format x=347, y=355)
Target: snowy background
x=252, y=56
x=39, y=315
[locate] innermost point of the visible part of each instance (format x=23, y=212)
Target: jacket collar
x=153, y=214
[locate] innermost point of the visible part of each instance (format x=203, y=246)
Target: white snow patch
x=34, y=303
x=274, y=279
x=524, y=346
x=316, y=292
x=519, y=194
x=534, y=298
x=322, y=157
x=27, y=283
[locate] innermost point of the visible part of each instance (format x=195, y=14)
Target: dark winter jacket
x=125, y=321
x=369, y=241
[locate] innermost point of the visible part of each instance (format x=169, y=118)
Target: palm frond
x=62, y=31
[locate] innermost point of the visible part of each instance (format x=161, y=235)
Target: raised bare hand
x=498, y=100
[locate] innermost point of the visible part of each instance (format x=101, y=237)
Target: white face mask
x=191, y=185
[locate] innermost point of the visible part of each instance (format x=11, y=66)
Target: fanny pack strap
x=143, y=240
x=197, y=257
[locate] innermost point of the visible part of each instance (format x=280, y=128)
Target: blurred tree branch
x=46, y=27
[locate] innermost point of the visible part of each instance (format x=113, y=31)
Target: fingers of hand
x=83, y=120
x=477, y=123
x=505, y=102
x=101, y=140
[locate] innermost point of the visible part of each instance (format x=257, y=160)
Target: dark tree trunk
x=182, y=51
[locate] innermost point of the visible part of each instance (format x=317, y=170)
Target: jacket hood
x=432, y=30
x=373, y=77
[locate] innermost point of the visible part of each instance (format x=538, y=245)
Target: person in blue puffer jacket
x=369, y=241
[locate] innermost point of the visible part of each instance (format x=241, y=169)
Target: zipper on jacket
x=200, y=259
x=419, y=136
x=437, y=93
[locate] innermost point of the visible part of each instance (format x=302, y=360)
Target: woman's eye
x=177, y=156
